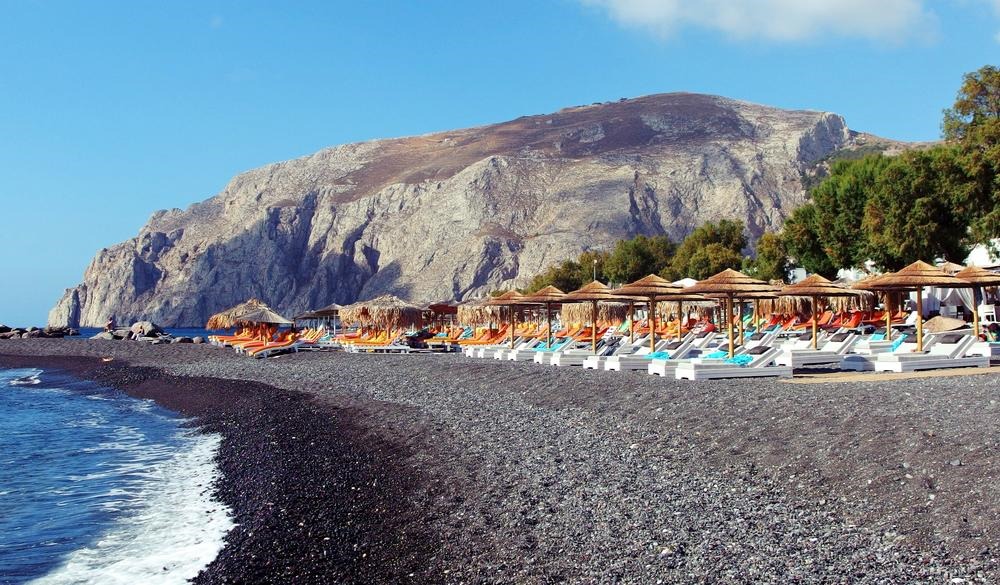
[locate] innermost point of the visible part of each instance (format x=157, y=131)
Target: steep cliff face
x=454, y=214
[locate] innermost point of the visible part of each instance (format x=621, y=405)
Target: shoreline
x=488, y=471
x=344, y=521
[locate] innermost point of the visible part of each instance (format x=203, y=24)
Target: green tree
x=910, y=214
x=694, y=255
x=635, y=258
x=771, y=262
x=801, y=236
x=973, y=125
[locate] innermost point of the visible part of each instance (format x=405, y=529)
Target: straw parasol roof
x=649, y=286
x=230, y=317
x=918, y=274
x=264, y=315
x=511, y=297
x=730, y=282
x=595, y=291
x=733, y=284
x=581, y=313
x=385, y=311
x=478, y=312
x=549, y=294
x=329, y=310
x=307, y=315
x=977, y=276
x=915, y=277
x=950, y=267
x=816, y=286
x=592, y=293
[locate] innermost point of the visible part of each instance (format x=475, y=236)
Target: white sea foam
x=29, y=380
x=172, y=528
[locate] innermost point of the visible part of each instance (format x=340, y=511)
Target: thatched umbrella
x=867, y=285
x=815, y=286
x=264, y=315
x=768, y=294
x=977, y=278
x=230, y=317
x=331, y=310
x=610, y=311
x=478, y=312
x=547, y=296
x=509, y=299
x=730, y=283
x=653, y=288
x=308, y=315
x=592, y=293
x=951, y=268
x=384, y=312
x=915, y=277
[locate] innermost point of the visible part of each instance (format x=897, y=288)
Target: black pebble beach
x=440, y=468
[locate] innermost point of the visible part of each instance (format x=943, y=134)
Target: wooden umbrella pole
x=512, y=326
x=975, y=310
x=739, y=323
x=548, y=320
x=920, y=319
x=815, y=324
x=631, y=322
x=729, y=325
x=756, y=315
x=593, y=327
x=888, y=315
x=680, y=319
x=652, y=325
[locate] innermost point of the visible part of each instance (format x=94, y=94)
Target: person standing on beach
x=110, y=325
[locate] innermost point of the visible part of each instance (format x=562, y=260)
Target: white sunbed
x=636, y=360
x=865, y=362
x=758, y=367
x=596, y=362
x=665, y=367
x=829, y=353
x=949, y=351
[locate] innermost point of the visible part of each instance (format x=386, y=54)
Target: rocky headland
x=454, y=214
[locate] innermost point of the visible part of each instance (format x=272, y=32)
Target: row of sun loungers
x=774, y=351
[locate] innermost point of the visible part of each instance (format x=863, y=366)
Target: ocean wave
x=171, y=529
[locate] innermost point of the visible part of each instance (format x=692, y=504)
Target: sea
x=99, y=487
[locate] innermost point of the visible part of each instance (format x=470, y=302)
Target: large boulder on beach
x=104, y=335
x=145, y=329
x=4, y=329
x=198, y=339
x=181, y=340
x=33, y=333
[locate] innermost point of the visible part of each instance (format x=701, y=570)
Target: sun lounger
x=948, y=351
x=754, y=364
x=639, y=360
x=830, y=352
x=865, y=362
x=664, y=363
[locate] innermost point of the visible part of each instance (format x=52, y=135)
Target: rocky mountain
x=454, y=214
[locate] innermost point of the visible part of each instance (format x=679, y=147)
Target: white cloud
x=779, y=20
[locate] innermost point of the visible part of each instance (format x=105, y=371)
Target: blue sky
x=112, y=110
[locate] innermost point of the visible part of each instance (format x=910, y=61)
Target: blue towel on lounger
x=898, y=342
x=740, y=360
x=717, y=355
x=658, y=355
